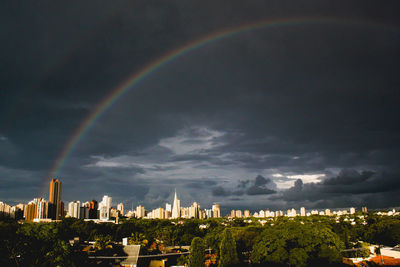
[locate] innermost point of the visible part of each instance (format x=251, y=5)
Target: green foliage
x=102, y=242
x=183, y=260
x=298, y=244
x=197, y=252
x=227, y=249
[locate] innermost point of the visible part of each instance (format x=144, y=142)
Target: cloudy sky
x=301, y=113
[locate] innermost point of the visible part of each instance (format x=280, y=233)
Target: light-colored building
x=246, y=213
x=194, y=211
x=104, y=208
x=303, y=211
x=352, y=210
x=74, y=209
x=216, y=208
x=140, y=212
x=120, y=208
x=328, y=212
x=176, y=208
x=238, y=214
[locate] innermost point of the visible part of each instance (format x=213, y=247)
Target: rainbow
x=175, y=54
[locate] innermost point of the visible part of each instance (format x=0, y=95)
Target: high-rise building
x=238, y=213
x=93, y=210
x=302, y=211
x=364, y=209
x=194, y=211
x=140, y=212
x=352, y=210
x=233, y=213
x=55, y=210
x=216, y=210
x=41, y=209
x=176, y=208
x=74, y=209
x=104, y=208
x=120, y=208
x=327, y=212
x=246, y=213
x=31, y=209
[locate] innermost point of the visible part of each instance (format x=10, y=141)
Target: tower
x=176, y=208
x=55, y=211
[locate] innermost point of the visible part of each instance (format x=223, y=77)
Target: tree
x=297, y=244
x=196, y=256
x=227, y=249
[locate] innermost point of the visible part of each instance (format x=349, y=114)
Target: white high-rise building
x=176, y=208
x=302, y=211
x=74, y=209
x=168, y=207
x=104, y=208
x=352, y=210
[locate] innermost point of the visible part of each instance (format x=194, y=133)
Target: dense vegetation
x=288, y=241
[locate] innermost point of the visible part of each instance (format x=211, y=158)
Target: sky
x=300, y=109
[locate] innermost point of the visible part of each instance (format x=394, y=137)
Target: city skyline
x=273, y=105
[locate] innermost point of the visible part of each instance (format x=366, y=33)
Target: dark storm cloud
x=296, y=99
x=350, y=187
x=258, y=186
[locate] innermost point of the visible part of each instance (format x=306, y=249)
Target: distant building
x=216, y=209
x=55, y=210
x=194, y=211
x=352, y=210
x=364, y=209
x=302, y=211
x=104, y=208
x=176, y=208
x=120, y=208
x=328, y=212
x=74, y=209
x=140, y=212
x=93, y=210
x=246, y=213
x=238, y=214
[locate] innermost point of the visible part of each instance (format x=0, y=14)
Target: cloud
x=349, y=188
x=258, y=186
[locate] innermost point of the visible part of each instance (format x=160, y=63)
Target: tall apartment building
x=55, y=210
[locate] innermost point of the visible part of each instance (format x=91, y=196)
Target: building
x=159, y=213
x=328, y=212
x=55, y=210
x=93, y=210
x=352, y=210
x=120, y=208
x=238, y=213
x=302, y=211
x=246, y=213
x=41, y=209
x=194, y=211
x=74, y=209
x=364, y=209
x=216, y=209
x=140, y=212
x=104, y=208
x=176, y=208
x=31, y=209
x=233, y=214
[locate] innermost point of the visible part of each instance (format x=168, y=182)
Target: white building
x=74, y=209
x=176, y=208
x=302, y=211
x=104, y=208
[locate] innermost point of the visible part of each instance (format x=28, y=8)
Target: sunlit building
x=216, y=210
x=176, y=208
x=55, y=210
